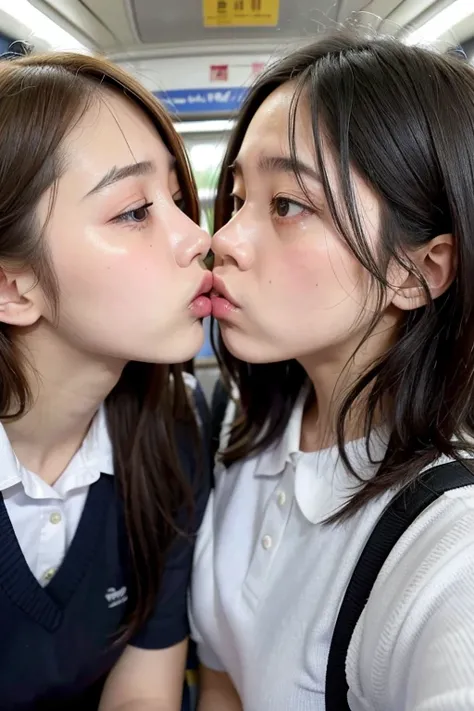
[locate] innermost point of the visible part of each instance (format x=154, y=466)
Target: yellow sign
x=240, y=13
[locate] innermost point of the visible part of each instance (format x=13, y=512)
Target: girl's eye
x=138, y=214
x=281, y=207
x=284, y=207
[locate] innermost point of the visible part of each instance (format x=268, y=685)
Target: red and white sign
x=257, y=68
x=219, y=72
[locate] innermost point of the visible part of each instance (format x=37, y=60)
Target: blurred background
x=200, y=56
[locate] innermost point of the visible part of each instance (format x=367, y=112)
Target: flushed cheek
x=108, y=264
x=323, y=278
x=298, y=281
x=96, y=242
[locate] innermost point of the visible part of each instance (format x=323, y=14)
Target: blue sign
x=203, y=101
x=10, y=47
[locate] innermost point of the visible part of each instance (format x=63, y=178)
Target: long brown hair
x=41, y=97
x=403, y=118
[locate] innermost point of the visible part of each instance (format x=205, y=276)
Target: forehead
x=268, y=131
x=112, y=131
x=268, y=135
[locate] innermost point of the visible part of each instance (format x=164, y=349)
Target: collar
x=322, y=484
x=272, y=461
x=94, y=457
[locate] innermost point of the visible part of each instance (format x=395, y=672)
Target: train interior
x=200, y=56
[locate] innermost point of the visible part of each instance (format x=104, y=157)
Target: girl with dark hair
x=103, y=480
x=344, y=257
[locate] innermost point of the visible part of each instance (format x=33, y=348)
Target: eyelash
x=128, y=216
x=306, y=210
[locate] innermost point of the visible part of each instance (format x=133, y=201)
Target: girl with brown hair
x=102, y=479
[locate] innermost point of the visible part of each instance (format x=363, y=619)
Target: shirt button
x=55, y=517
x=281, y=498
x=49, y=574
x=267, y=542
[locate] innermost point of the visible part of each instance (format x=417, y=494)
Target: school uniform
x=269, y=578
x=65, y=577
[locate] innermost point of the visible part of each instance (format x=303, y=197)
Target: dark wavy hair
x=41, y=97
x=402, y=118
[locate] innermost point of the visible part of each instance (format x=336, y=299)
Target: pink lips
x=201, y=306
x=222, y=304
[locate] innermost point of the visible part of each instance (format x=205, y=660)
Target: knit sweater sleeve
x=413, y=648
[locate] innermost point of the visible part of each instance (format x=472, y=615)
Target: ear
x=20, y=298
x=436, y=261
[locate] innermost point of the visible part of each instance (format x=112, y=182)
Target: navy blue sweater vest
x=59, y=642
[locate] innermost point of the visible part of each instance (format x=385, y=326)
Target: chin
x=169, y=348
x=251, y=350
x=186, y=347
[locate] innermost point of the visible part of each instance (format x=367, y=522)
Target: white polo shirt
x=269, y=579
x=44, y=517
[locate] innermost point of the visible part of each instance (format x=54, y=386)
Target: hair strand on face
x=384, y=111
x=42, y=98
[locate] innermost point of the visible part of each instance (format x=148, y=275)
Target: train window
x=206, y=142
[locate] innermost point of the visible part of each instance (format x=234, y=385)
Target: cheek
x=128, y=271
x=325, y=269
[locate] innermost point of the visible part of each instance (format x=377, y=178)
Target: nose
x=193, y=243
x=234, y=243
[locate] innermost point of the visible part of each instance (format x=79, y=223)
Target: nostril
x=209, y=259
x=229, y=261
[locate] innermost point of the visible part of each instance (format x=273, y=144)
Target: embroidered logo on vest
x=116, y=597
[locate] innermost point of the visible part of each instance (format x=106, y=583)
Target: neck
x=333, y=376
x=67, y=387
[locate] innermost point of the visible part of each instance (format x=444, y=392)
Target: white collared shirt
x=269, y=579
x=44, y=517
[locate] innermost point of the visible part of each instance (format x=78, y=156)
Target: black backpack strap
x=397, y=517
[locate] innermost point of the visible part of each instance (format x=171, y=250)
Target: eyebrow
x=279, y=164
x=127, y=171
